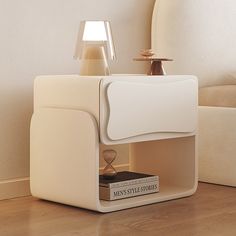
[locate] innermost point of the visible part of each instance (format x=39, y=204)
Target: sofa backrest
x=200, y=35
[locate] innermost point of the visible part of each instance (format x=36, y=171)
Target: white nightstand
x=73, y=115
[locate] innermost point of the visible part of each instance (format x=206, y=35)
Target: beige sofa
x=217, y=134
x=200, y=37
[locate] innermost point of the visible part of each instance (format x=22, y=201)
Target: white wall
x=38, y=37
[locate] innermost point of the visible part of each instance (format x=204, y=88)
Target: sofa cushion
x=220, y=96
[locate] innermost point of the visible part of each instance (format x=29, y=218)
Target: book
x=127, y=184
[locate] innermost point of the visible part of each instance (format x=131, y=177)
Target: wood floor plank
x=211, y=211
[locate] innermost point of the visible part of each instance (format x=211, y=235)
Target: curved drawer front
x=143, y=108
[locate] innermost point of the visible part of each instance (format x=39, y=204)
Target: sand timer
x=109, y=171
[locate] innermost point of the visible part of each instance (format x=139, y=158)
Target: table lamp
x=94, y=47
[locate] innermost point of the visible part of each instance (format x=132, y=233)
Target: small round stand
x=156, y=67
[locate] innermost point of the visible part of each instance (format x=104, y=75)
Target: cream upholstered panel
x=63, y=153
x=200, y=37
x=217, y=134
x=217, y=145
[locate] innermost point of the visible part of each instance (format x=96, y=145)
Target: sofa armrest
x=219, y=96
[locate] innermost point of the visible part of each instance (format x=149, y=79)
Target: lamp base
x=94, y=61
x=94, y=67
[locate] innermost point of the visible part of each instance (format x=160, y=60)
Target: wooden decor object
x=156, y=67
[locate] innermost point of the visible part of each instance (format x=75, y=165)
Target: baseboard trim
x=20, y=187
x=13, y=188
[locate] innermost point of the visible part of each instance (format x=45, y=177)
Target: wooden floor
x=211, y=212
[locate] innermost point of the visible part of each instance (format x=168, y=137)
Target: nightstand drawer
x=142, y=108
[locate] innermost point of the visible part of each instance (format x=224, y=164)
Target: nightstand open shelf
x=176, y=170
x=74, y=115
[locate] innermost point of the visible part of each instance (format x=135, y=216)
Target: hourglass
x=109, y=171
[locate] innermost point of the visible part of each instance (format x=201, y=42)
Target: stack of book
x=127, y=184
